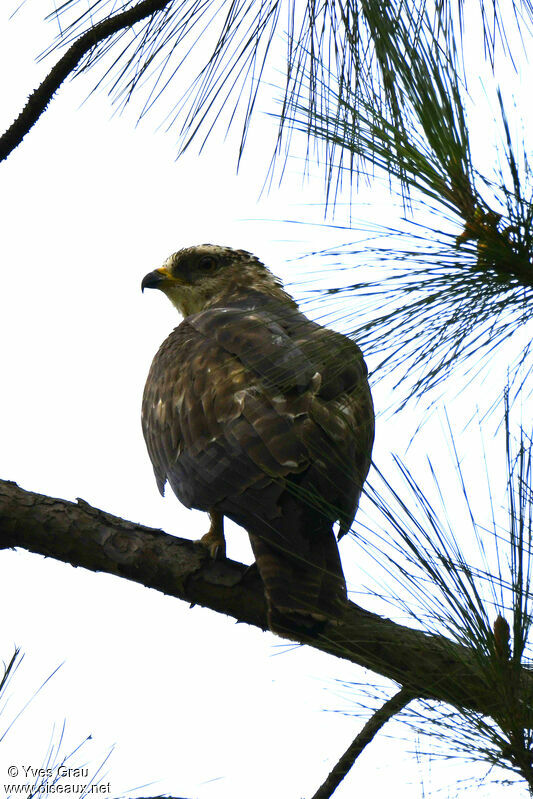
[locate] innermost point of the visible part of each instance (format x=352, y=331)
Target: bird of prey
x=254, y=412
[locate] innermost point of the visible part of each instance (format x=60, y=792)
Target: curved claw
x=214, y=540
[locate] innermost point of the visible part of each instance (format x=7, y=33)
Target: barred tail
x=304, y=590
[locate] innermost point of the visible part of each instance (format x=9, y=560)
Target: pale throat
x=187, y=299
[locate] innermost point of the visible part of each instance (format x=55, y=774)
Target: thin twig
x=391, y=707
x=41, y=96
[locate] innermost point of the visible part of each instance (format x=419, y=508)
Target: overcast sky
x=195, y=705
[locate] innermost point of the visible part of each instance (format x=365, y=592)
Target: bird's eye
x=207, y=262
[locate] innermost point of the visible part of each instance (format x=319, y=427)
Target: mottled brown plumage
x=254, y=412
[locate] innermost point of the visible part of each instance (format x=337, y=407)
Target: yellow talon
x=214, y=540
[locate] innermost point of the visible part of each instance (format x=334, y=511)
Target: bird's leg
x=214, y=540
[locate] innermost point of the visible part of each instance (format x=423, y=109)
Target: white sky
x=195, y=705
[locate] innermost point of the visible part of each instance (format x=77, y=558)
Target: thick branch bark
x=39, y=99
x=76, y=533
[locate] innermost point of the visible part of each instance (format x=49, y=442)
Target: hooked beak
x=157, y=279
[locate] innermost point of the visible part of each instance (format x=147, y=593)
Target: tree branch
x=389, y=709
x=429, y=666
x=39, y=99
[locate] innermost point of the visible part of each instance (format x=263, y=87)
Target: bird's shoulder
x=271, y=340
x=282, y=344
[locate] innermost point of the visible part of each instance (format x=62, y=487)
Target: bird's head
x=200, y=277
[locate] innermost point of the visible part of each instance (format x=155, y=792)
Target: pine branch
x=40, y=98
x=389, y=709
x=329, y=39
x=427, y=665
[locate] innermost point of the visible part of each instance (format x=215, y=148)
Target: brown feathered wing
x=252, y=410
